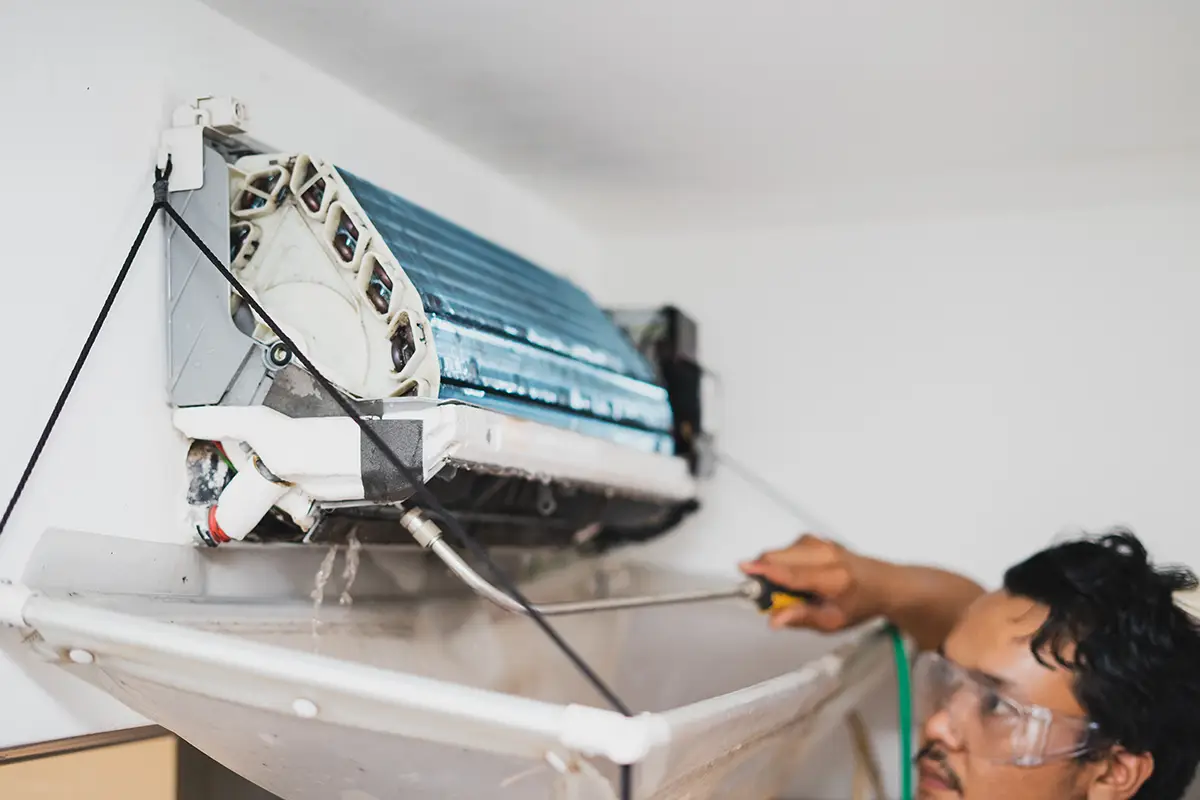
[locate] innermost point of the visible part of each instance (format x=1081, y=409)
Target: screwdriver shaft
x=429, y=536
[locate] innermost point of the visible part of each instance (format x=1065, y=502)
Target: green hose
x=904, y=700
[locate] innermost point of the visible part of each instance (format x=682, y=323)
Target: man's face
x=992, y=641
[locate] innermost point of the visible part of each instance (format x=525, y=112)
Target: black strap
x=452, y=526
x=162, y=178
x=79, y=361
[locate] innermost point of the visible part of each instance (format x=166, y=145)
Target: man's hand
x=846, y=583
x=924, y=602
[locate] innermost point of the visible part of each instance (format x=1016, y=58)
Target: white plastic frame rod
x=13, y=597
x=271, y=678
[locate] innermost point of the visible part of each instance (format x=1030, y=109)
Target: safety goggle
x=991, y=725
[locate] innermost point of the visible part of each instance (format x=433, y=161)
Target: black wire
x=760, y=483
x=771, y=492
x=752, y=478
x=452, y=525
x=454, y=528
x=79, y=361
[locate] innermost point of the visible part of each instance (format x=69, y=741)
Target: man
x=1079, y=679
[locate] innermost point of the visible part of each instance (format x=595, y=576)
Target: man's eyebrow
x=989, y=680
x=985, y=678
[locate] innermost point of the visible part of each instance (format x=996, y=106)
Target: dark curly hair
x=1135, y=655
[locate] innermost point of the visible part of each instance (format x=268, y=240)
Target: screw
x=278, y=355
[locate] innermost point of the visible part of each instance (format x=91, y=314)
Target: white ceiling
x=612, y=106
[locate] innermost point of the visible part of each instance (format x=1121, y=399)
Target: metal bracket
x=183, y=142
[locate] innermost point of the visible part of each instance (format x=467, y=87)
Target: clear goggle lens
x=991, y=725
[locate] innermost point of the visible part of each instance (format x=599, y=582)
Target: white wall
x=952, y=388
x=86, y=88
x=955, y=388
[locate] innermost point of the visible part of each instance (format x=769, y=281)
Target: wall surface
x=954, y=388
x=87, y=87
x=950, y=388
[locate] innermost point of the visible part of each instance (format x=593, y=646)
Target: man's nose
x=939, y=727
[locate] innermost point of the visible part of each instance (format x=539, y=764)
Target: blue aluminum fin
x=516, y=338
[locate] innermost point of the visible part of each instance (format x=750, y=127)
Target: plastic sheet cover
x=737, y=704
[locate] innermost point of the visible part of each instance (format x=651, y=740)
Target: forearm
x=923, y=602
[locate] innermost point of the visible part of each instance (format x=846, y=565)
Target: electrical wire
x=767, y=489
x=225, y=457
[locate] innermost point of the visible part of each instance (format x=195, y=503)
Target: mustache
x=934, y=752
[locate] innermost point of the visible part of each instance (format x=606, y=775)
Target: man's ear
x=1121, y=775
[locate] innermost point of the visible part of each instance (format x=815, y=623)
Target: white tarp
x=452, y=698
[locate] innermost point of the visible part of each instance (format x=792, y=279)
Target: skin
x=986, y=633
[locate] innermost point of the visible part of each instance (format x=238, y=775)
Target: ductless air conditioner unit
x=522, y=403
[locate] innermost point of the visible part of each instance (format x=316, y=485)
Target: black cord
x=79, y=361
x=753, y=479
x=771, y=492
x=429, y=498
x=762, y=485
x=452, y=525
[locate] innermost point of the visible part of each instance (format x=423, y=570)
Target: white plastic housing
x=321, y=455
x=340, y=297
x=245, y=501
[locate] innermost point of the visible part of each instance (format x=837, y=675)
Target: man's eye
x=992, y=704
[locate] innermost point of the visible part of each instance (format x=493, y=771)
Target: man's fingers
x=804, y=615
x=810, y=552
x=827, y=618
x=790, y=617
x=827, y=581
x=777, y=573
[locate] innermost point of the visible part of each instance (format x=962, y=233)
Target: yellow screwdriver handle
x=771, y=597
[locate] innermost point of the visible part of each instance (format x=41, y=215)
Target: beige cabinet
x=140, y=770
